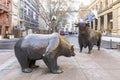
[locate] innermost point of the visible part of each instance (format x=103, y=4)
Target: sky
x=76, y=3
x=85, y=2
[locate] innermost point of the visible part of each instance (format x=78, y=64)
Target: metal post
x=110, y=43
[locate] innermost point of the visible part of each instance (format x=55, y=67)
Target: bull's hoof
x=34, y=66
x=98, y=49
x=27, y=70
x=80, y=51
x=57, y=71
x=58, y=67
x=89, y=52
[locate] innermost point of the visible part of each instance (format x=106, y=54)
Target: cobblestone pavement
x=100, y=65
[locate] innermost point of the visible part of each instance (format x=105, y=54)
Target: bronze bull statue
x=88, y=37
x=40, y=46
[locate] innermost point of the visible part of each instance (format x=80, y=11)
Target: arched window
x=106, y=3
x=101, y=5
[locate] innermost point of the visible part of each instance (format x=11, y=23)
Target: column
x=115, y=21
x=98, y=28
x=105, y=22
x=94, y=24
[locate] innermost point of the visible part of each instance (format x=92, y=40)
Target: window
x=96, y=7
x=7, y=18
x=21, y=3
x=15, y=1
x=106, y=3
x=101, y=5
x=15, y=10
x=21, y=13
x=25, y=12
x=31, y=14
x=34, y=15
x=29, y=11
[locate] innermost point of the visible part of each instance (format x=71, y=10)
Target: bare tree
x=53, y=12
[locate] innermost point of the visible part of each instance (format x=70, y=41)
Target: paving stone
x=100, y=65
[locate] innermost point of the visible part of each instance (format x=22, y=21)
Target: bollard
x=110, y=43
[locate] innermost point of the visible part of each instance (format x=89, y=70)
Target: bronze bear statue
x=88, y=37
x=42, y=46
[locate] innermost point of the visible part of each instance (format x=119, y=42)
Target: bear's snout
x=73, y=54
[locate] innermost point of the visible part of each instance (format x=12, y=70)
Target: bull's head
x=83, y=27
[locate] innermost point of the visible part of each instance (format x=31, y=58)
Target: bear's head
x=66, y=49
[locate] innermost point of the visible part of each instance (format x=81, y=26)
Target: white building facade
x=106, y=16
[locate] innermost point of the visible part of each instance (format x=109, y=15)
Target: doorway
x=110, y=23
x=102, y=24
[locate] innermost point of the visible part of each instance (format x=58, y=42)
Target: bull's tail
x=99, y=42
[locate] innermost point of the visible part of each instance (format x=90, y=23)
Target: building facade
x=25, y=17
x=15, y=17
x=29, y=16
x=106, y=16
x=5, y=18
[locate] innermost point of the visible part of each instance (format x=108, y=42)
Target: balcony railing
x=3, y=8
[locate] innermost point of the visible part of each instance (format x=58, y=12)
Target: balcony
x=27, y=18
x=7, y=23
x=3, y=8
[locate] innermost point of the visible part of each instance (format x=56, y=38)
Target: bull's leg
x=81, y=47
x=32, y=64
x=51, y=63
x=90, y=49
x=98, y=47
x=98, y=44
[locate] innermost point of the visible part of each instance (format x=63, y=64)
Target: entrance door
x=6, y=30
x=92, y=25
x=96, y=23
